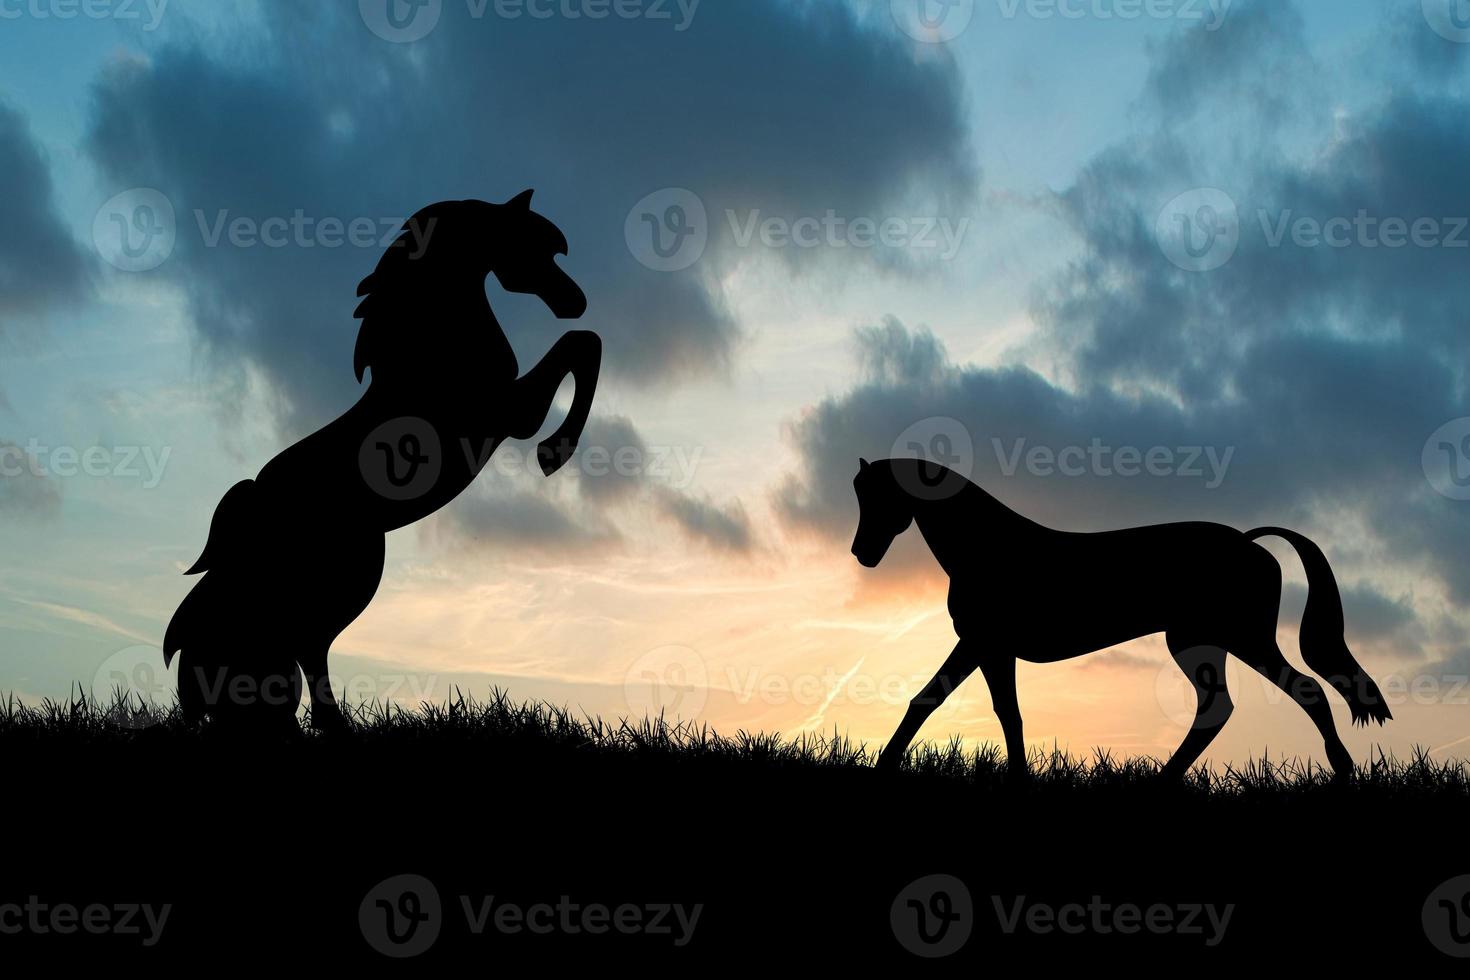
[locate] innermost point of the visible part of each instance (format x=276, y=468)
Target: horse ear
x=521, y=200
x=863, y=464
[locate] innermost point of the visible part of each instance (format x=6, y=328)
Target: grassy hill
x=795, y=852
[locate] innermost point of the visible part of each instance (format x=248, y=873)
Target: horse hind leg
x=314, y=629
x=1204, y=665
x=326, y=714
x=1266, y=659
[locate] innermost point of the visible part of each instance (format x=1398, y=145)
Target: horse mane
x=387, y=290
x=931, y=474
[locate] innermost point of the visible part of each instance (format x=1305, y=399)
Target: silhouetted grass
x=501, y=728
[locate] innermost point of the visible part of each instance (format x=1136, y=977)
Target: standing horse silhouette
x=296, y=554
x=1019, y=590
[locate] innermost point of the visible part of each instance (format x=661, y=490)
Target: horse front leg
x=1000, y=674
x=577, y=353
x=959, y=665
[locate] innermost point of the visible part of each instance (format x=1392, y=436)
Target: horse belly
x=1044, y=619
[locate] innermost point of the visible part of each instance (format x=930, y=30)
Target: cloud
x=726, y=528
x=1318, y=371
x=1372, y=614
x=611, y=460
x=40, y=263
x=519, y=520
x=26, y=492
x=614, y=480
x=832, y=110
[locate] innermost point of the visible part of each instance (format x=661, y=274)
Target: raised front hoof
x=553, y=454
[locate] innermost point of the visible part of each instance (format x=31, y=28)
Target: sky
x=1121, y=262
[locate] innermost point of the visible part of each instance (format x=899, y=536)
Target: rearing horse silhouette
x=296, y=554
x=1019, y=590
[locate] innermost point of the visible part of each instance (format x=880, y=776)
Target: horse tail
x=188, y=630
x=206, y=628
x=230, y=529
x=1323, y=646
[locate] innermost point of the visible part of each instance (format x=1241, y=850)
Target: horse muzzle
x=568, y=302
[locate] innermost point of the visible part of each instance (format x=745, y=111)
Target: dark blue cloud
x=1323, y=370
x=759, y=104
x=41, y=265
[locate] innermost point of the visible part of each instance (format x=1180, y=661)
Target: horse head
x=884, y=511
x=523, y=258
x=458, y=244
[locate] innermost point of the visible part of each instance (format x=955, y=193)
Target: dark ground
x=794, y=853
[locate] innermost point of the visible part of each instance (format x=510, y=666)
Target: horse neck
x=435, y=325
x=951, y=524
x=472, y=321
